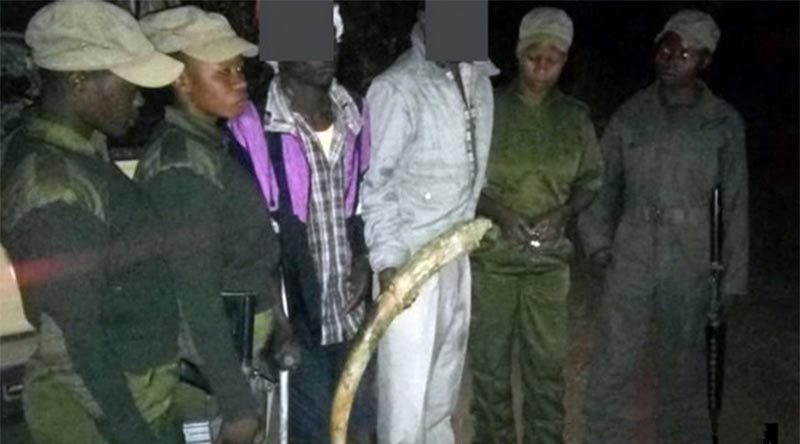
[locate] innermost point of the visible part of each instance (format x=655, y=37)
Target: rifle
x=715, y=326
x=240, y=311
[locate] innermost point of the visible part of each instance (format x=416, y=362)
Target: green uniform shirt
x=89, y=262
x=220, y=240
x=540, y=155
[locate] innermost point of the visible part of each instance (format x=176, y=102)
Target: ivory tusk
x=402, y=291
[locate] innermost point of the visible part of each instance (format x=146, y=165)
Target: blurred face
x=109, y=103
x=540, y=66
x=676, y=64
x=217, y=90
x=312, y=73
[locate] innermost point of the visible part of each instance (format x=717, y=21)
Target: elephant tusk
x=402, y=291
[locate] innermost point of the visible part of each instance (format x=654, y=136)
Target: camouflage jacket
x=220, y=239
x=88, y=262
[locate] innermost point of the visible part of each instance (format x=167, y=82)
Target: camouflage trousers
x=56, y=415
x=530, y=309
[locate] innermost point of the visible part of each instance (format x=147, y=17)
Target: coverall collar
x=481, y=67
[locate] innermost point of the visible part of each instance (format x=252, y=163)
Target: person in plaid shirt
x=310, y=157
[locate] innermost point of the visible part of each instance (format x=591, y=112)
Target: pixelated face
x=215, y=89
x=313, y=73
x=541, y=64
x=675, y=63
x=110, y=104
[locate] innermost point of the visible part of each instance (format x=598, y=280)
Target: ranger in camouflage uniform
x=210, y=205
x=544, y=167
x=665, y=150
x=78, y=232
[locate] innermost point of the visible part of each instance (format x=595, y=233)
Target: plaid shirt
x=327, y=235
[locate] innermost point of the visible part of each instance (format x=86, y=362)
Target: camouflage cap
x=94, y=35
x=545, y=24
x=205, y=36
x=697, y=29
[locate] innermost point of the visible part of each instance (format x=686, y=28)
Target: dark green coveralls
x=89, y=260
x=660, y=171
x=540, y=155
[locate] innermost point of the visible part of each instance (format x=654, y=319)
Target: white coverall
x=425, y=176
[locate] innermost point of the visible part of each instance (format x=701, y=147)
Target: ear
x=183, y=84
x=706, y=61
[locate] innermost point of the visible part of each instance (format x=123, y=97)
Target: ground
x=762, y=379
x=762, y=371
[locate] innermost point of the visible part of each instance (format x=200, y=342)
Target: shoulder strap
x=358, y=145
x=275, y=150
x=356, y=98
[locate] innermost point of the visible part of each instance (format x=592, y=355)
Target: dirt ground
x=762, y=379
x=762, y=365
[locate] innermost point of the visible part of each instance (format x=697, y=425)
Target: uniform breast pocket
x=638, y=153
x=700, y=153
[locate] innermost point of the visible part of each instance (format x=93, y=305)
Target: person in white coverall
x=431, y=128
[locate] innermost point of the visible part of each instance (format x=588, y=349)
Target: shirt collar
x=279, y=116
x=194, y=125
x=518, y=90
x=703, y=107
x=480, y=68
x=50, y=129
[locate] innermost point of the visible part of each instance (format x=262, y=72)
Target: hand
x=282, y=350
x=550, y=225
x=601, y=257
x=358, y=283
x=385, y=277
x=239, y=431
x=514, y=227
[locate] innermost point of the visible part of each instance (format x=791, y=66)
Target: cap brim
x=687, y=38
x=151, y=71
x=222, y=49
x=558, y=42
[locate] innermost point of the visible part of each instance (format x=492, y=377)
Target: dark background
x=756, y=68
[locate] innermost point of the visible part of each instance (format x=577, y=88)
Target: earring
x=77, y=79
